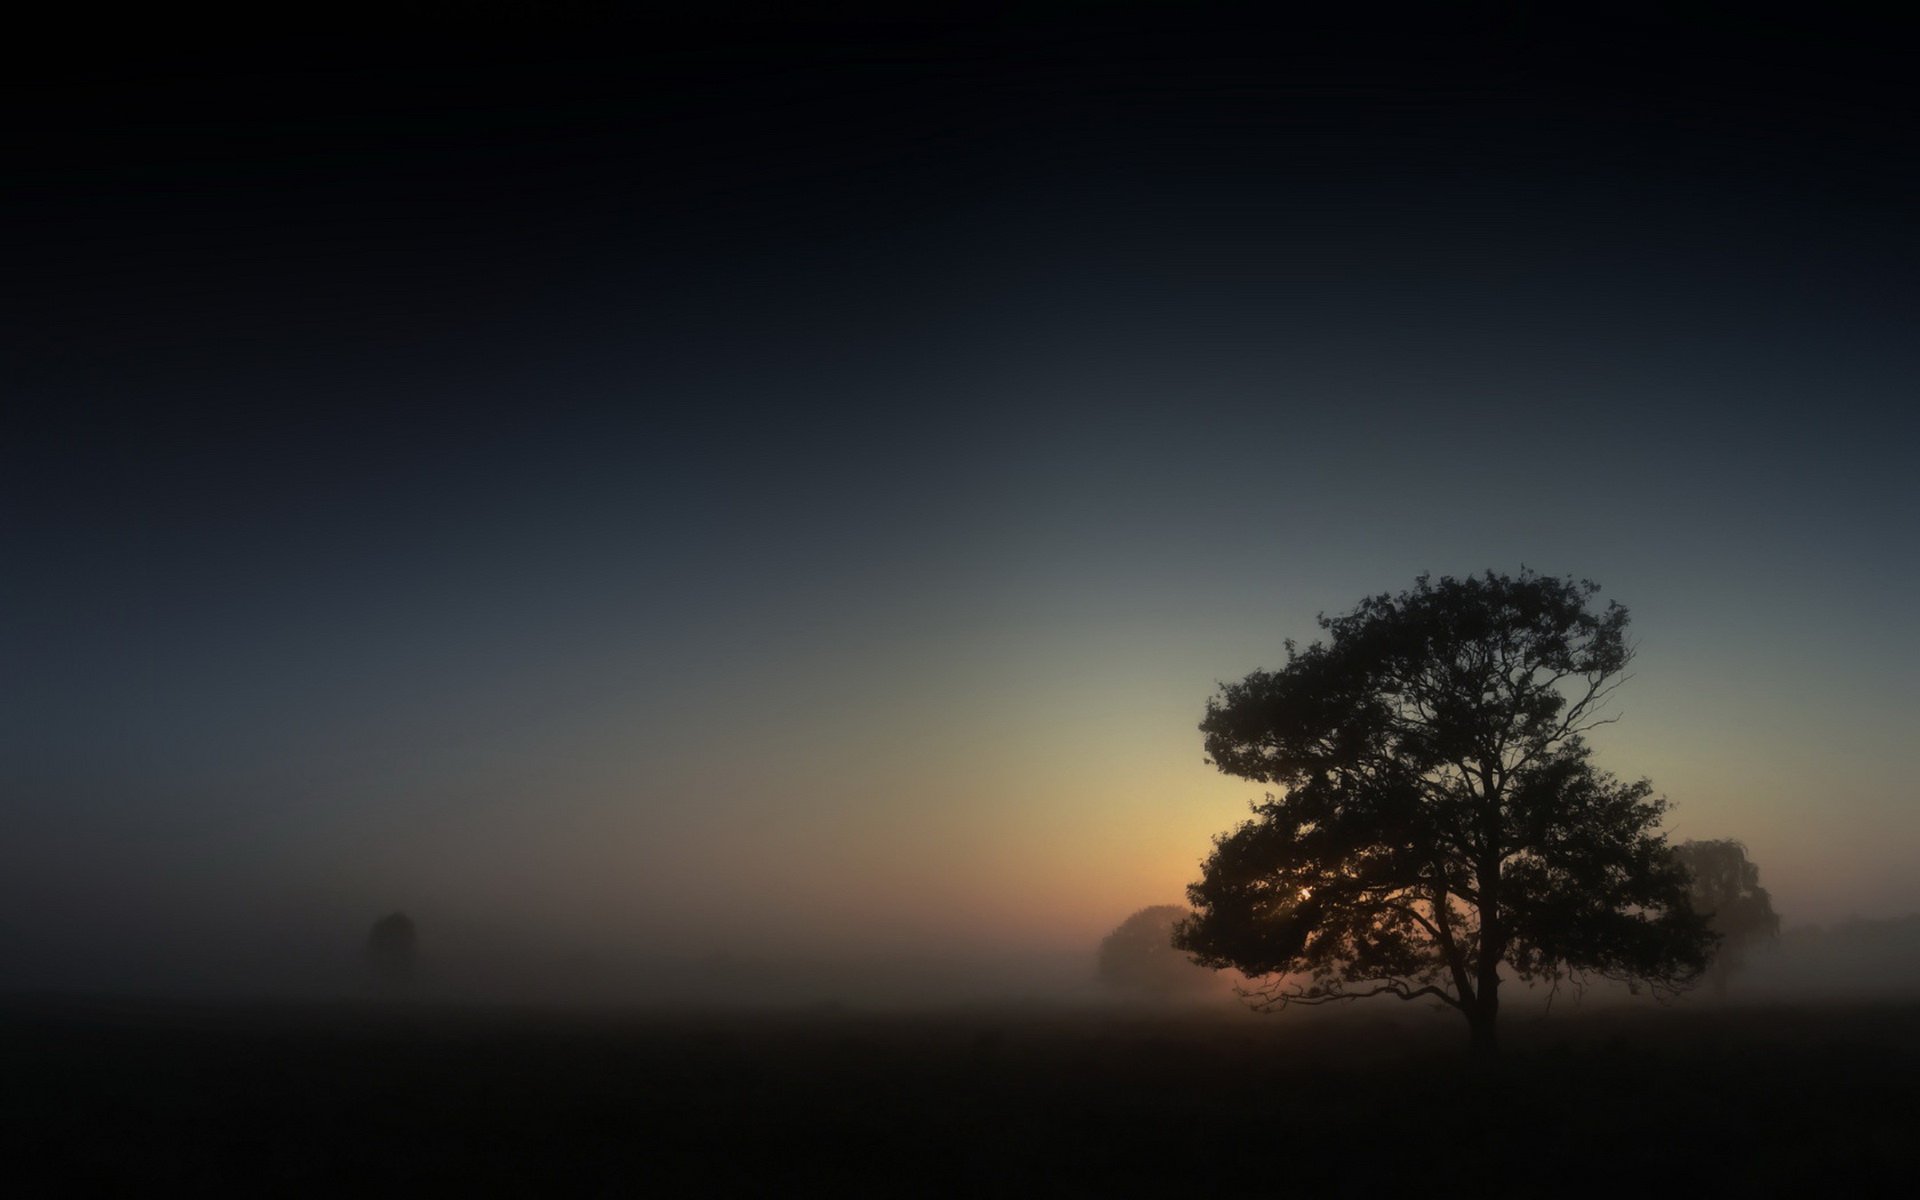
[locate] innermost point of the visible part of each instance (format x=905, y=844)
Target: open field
x=133, y=1097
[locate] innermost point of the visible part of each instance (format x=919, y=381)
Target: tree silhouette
x=1726, y=890
x=391, y=950
x=1139, y=957
x=1440, y=819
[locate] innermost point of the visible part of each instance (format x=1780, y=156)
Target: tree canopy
x=1138, y=956
x=1440, y=819
x=1725, y=888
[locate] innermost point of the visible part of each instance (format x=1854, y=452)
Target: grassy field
x=133, y=1098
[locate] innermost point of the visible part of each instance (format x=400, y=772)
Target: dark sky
x=736, y=481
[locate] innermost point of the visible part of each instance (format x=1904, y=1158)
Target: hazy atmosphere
x=766, y=497
x=855, y=604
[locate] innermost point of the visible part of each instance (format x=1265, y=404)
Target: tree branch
x=1272, y=999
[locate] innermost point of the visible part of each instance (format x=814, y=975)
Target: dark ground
x=105, y=1097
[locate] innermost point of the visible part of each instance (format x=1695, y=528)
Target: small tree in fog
x=1441, y=822
x=1726, y=889
x=1139, y=957
x=391, y=950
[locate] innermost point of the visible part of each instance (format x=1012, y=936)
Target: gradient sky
x=751, y=486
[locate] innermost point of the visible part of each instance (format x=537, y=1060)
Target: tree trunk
x=1485, y=1046
x=1483, y=1019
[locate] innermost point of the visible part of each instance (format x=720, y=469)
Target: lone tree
x=1726, y=890
x=1440, y=818
x=1138, y=957
x=391, y=948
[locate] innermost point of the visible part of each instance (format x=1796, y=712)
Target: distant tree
x=1138, y=957
x=1725, y=886
x=391, y=950
x=1440, y=821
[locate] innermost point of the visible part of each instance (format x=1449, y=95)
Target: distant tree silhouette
x=391, y=950
x=1138, y=957
x=1441, y=821
x=1725, y=886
